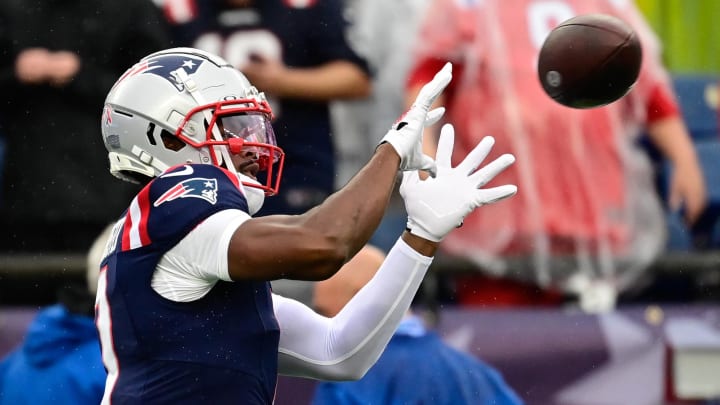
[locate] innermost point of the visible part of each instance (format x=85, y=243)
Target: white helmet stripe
x=191, y=88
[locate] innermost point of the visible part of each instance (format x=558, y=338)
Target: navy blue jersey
x=306, y=36
x=221, y=348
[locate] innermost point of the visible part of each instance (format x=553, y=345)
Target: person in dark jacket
x=298, y=54
x=60, y=58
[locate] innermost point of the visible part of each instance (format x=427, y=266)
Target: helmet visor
x=241, y=126
x=256, y=131
x=252, y=127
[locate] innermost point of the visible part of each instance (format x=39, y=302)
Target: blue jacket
x=58, y=363
x=417, y=367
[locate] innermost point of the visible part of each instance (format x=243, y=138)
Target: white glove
x=407, y=133
x=436, y=206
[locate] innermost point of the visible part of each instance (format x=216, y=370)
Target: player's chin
x=249, y=169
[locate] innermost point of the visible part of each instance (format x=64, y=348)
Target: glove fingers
x=434, y=116
x=431, y=90
x=494, y=194
x=492, y=169
x=476, y=156
x=445, y=146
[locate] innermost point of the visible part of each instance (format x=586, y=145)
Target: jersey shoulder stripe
x=177, y=201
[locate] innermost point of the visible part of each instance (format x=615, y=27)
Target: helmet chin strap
x=181, y=75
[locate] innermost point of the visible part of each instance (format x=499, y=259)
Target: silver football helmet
x=184, y=105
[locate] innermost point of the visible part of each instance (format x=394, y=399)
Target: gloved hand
x=407, y=133
x=435, y=206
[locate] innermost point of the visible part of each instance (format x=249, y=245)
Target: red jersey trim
x=661, y=104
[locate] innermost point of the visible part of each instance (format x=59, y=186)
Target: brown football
x=589, y=61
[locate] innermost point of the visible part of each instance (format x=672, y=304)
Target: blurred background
x=655, y=340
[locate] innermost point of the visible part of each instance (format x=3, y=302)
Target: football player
x=184, y=306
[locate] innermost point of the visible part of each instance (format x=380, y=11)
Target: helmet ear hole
x=171, y=141
x=150, y=136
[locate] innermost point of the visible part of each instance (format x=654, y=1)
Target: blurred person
x=297, y=53
x=60, y=59
x=417, y=367
x=59, y=361
x=588, y=220
x=382, y=32
x=184, y=306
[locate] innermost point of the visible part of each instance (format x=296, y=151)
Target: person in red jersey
x=587, y=190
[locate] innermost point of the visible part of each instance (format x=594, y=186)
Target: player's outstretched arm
x=313, y=246
x=347, y=345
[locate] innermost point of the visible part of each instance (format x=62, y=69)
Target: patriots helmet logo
x=196, y=187
x=166, y=66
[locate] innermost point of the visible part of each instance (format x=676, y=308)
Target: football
x=589, y=61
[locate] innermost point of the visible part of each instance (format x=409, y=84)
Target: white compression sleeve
x=346, y=346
